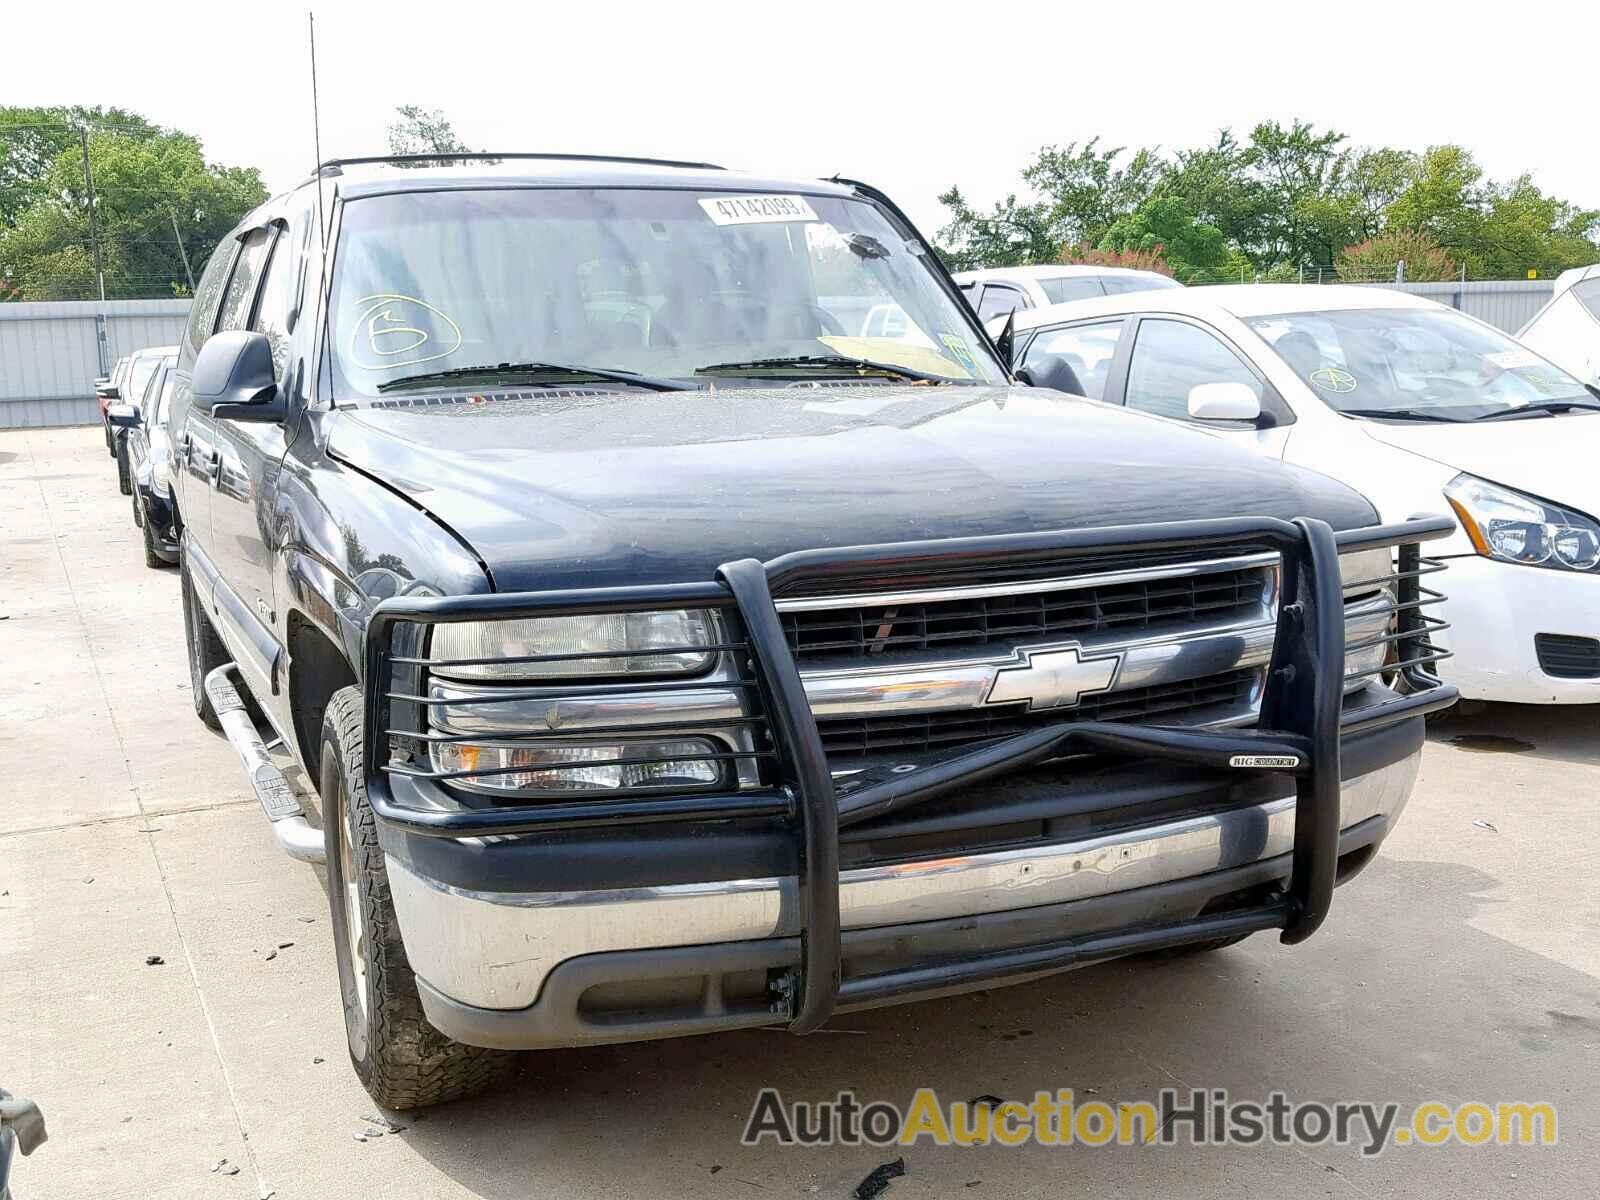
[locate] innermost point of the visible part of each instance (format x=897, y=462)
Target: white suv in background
x=1567, y=330
x=996, y=291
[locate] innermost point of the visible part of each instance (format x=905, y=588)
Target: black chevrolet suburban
x=650, y=592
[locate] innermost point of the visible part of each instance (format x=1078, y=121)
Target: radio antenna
x=316, y=128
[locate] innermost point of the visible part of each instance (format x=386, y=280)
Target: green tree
x=1216, y=183
x=1296, y=169
x=31, y=139
x=1195, y=251
x=1443, y=197
x=1013, y=234
x=423, y=131
x=150, y=190
x=1080, y=192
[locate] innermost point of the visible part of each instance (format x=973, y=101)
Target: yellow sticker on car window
x=1333, y=379
x=959, y=350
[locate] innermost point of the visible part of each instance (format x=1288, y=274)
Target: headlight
x=161, y=474
x=1515, y=528
x=1369, y=608
x=583, y=766
x=598, y=645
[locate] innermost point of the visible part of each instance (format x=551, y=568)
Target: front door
x=248, y=455
x=1172, y=356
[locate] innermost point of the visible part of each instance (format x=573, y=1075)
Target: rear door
x=1173, y=355
x=194, y=447
x=244, y=523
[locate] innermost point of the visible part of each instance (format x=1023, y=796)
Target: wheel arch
x=317, y=669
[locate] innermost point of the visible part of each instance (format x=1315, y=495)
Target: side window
x=1087, y=349
x=998, y=301
x=1588, y=293
x=1172, y=357
x=208, y=295
x=169, y=379
x=241, y=293
x=277, y=297
x=1065, y=288
x=1117, y=285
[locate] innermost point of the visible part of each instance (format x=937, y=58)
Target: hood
x=600, y=489
x=1550, y=457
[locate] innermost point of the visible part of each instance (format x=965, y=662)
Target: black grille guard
x=1298, y=732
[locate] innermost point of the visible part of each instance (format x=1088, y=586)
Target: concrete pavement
x=1464, y=965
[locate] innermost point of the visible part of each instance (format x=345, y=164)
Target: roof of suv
x=367, y=178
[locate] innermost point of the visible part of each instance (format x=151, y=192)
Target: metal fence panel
x=49, y=360
x=1507, y=304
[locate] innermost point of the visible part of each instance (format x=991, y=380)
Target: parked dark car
x=142, y=367
x=672, y=657
x=107, y=390
x=148, y=445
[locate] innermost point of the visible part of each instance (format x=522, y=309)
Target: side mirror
x=1052, y=371
x=123, y=416
x=234, y=379
x=106, y=390
x=1224, y=402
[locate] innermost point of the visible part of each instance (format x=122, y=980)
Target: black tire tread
x=409, y=1064
x=124, y=476
x=151, y=557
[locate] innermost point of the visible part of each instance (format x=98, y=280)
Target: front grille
x=846, y=738
x=1024, y=615
x=1567, y=657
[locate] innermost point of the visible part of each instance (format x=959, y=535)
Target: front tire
x=124, y=476
x=402, y=1060
x=152, y=557
x=206, y=651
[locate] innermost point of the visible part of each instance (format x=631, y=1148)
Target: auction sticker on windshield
x=757, y=210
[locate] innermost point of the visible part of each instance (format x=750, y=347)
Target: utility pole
x=99, y=262
x=182, y=253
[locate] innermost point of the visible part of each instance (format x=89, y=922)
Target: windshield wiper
x=1399, y=414
x=805, y=364
x=1542, y=406
x=531, y=370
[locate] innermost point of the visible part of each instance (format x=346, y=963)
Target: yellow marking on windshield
x=391, y=334
x=896, y=352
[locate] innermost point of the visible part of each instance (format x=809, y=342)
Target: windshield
x=1414, y=360
x=650, y=281
x=139, y=378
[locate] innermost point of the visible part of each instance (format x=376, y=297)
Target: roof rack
x=332, y=165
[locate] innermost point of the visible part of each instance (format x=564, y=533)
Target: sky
x=912, y=98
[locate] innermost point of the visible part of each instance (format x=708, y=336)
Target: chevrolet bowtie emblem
x=1056, y=678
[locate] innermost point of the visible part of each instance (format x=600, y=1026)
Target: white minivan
x=1419, y=407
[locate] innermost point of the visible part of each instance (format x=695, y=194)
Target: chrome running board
x=272, y=788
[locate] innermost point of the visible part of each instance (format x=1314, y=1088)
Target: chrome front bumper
x=494, y=950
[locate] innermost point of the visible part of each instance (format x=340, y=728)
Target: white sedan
x=1417, y=406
